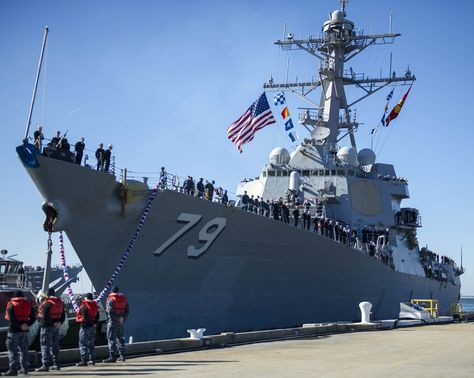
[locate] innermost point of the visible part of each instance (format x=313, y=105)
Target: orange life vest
x=55, y=310
x=91, y=310
x=118, y=302
x=21, y=309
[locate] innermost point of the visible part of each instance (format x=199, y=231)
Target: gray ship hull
x=258, y=273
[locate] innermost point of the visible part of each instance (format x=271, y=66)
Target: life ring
x=27, y=153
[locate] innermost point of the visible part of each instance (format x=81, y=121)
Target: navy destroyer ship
x=200, y=263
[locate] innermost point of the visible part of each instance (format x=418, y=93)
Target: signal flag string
x=125, y=255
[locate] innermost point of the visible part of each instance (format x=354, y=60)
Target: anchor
x=51, y=218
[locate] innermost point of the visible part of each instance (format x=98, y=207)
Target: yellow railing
x=430, y=305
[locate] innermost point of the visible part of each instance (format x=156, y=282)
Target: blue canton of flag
x=261, y=106
x=279, y=99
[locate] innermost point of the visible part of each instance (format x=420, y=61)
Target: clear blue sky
x=162, y=80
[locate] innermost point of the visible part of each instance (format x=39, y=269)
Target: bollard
x=365, y=308
x=196, y=334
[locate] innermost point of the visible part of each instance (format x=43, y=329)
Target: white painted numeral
x=190, y=219
x=216, y=226
x=207, y=235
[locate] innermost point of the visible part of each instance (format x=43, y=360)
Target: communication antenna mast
x=330, y=120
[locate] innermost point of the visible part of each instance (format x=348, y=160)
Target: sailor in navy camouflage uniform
x=21, y=316
x=117, y=310
x=51, y=315
x=88, y=317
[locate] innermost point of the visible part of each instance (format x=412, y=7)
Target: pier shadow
x=284, y=339
x=190, y=363
x=111, y=372
x=136, y=368
x=194, y=362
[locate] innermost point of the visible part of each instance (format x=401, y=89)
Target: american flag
x=256, y=117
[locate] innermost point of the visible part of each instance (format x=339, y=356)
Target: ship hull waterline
x=257, y=273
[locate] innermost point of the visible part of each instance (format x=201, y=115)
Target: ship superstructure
x=198, y=263
x=347, y=185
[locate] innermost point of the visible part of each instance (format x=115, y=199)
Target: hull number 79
x=207, y=235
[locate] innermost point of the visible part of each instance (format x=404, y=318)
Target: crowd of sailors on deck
x=392, y=178
x=311, y=216
x=60, y=143
x=204, y=190
x=434, y=263
x=307, y=216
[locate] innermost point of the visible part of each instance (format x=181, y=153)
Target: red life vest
x=55, y=310
x=21, y=309
x=91, y=310
x=118, y=302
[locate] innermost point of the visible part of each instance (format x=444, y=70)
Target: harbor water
x=467, y=303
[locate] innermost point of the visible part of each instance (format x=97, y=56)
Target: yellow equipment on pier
x=430, y=305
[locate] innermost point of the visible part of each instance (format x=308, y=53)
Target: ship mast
x=35, y=87
x=338, y=44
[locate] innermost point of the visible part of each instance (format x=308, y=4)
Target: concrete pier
x=435, y=351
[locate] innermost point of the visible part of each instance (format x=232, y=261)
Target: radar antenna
x=338, y=43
